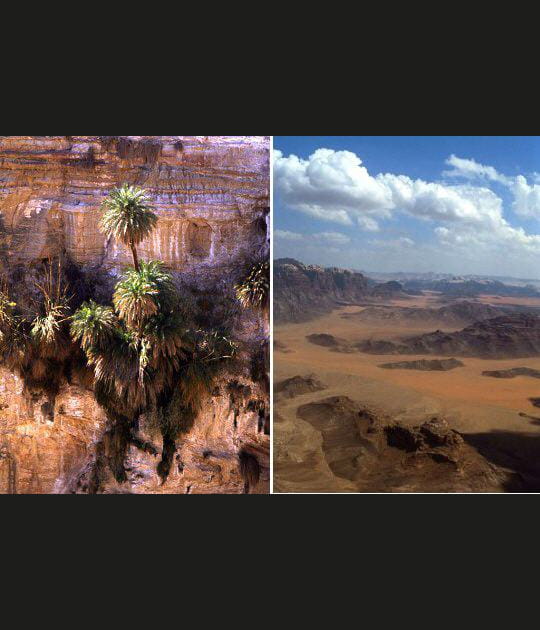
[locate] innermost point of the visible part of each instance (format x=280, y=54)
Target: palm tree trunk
x=135, y=257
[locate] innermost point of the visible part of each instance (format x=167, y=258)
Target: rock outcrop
x=297, y=386
x=426, y=365
x=469, y=287
x=376, y=454
x=211, y=195
x=512, y=373
x=505, y=337
x=212, y=198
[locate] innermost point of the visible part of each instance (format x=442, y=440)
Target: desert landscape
x=381, y=388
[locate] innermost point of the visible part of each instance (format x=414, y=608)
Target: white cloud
x=368, y=224
x=471, y=169
x=335, y=186
x=285, y=235
x=526, y=198
x=331, y=186
x=334, y=238
x=396, y=243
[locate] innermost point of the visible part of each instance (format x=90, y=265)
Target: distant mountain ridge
x=456, y=314
x=463, y=287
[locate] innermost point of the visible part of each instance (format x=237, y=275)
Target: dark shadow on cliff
x=517, y=452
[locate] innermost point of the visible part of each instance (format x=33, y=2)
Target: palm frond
x=254, y=290
x=128, y=215
x=93, y=325
x=142, y=294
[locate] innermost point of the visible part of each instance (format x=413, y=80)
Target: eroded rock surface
x=297, y=386
x=375, y=454
x=457, y=314
x=211, y=195
x=303, y=292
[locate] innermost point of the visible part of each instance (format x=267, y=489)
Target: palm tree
x=143, y=293
x=146, y=354
x=34, y=340
x=128, y=217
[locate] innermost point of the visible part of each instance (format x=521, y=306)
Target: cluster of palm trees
x=37, y=345
x=145, y=353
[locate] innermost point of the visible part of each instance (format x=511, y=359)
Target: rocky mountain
x=370, y=452
x=504, y=337
x=211, y=194
x=303, y=292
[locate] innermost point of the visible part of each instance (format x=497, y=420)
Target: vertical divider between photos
x=271, y=314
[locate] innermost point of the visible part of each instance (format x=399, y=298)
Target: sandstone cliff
x=212, y=198
x=302, y=292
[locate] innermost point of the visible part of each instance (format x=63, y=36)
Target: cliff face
x=211, y=194
x=212, y=198
x=302, y=292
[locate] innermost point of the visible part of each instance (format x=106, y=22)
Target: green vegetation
x=152, y=350
x=128, y=217
x=146, y=352
x=254, y=290
x=35, y=342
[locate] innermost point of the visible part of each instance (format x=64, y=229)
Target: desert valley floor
x=318, y=450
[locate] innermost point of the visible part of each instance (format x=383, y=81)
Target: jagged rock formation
x=437, y=365
x=375, y=454
x=302, y=292
x=505, y=337
x=212, y=198
x=297, y=385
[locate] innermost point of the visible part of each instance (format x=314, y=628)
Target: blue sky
x=410, y=203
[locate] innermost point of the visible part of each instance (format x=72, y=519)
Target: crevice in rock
x=250, y=470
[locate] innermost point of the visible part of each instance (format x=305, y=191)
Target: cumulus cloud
x=331, y=186
x=526, y=198
x=334, y=186
x=526, y=201
x=468, y=216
